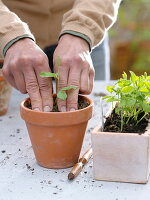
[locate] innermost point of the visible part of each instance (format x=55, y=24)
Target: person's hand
x=23, y=63
x=76, y=69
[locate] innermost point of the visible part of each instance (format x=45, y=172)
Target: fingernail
x=36, y=109
x=72, y=109
x=63, y=109
x=47, y=109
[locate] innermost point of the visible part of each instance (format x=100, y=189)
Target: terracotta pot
x=123, y=157
x=5, y=92
x=56, y=137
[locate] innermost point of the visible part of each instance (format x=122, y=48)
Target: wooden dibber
x=78, y=166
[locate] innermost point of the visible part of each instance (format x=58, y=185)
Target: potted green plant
x=121, y=150
x=57, y=137
x=5, y=92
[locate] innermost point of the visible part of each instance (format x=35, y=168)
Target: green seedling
x=62, y=93
x=132, y=97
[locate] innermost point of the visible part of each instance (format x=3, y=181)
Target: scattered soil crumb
x=3, y=151
x=12, y=135
x=29, y=167
x=18, y=130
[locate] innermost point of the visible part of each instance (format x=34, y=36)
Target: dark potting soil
x=81, y=104
x=113, y=124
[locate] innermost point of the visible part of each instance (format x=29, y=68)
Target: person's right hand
x=23, y=63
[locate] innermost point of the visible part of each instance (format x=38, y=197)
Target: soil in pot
x=81, y=104
x=113, y=124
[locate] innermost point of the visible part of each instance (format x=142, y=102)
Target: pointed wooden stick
x=78, y=166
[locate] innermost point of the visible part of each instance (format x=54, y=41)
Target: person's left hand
x=76, y=69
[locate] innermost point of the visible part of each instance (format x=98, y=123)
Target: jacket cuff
x=10, y=43
x=78, y=34
x=80, y=28
x=12, y=32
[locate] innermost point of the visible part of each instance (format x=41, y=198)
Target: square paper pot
x=122, y=157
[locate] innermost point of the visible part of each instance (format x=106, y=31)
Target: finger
x=9, y=77
x=91, y=80
x=45, y=87
x=19, y=81
x=33, y=88
x=64, y=71
x=74, y=80
x=84, y=86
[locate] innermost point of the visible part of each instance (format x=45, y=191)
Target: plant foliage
x=62, y=92
x=132, y=96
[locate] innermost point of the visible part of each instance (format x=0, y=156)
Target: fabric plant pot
x=56, y=137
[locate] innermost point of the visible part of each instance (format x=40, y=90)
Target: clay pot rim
x=91, y=103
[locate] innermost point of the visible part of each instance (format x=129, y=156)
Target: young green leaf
x=106, y=97
x=134, y=78
x=122, y=83
x=49, y=74
x=62, y=95
x=146, y=107
x=110, y=88
x=112, y=99
x=71, y=87
x=127, y=89
x=145, y=90
x=124, y=75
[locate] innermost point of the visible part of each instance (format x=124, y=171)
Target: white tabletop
x=21, y=178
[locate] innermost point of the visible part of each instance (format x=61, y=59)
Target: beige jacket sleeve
x=11, y=27
x=91, y=18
